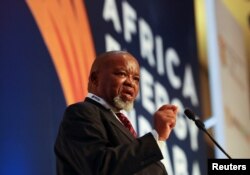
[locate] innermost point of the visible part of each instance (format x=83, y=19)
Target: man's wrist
x=160, y=143
x=155, y=134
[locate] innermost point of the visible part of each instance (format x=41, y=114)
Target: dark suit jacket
x=91, y=141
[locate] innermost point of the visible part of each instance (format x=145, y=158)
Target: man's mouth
x=128, y=94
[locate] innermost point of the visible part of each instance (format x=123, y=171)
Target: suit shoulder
x=81, y=106
x=82, y=109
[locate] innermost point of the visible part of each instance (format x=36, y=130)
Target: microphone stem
x=203, y=128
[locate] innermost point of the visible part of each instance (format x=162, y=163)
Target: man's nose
x=130, y=81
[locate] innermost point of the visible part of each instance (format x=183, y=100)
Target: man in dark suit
x=93, y=139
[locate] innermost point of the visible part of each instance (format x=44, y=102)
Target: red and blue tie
x=126, y=123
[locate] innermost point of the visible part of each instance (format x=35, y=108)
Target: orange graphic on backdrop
x=65, y=29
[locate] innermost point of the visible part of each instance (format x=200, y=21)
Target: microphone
x=191, y=115
x=196, y=119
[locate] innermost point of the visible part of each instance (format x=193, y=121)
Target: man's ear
x=94, y=78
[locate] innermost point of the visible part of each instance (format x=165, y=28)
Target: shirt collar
x=101, y=101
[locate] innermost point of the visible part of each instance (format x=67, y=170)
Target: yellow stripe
x=67, y=35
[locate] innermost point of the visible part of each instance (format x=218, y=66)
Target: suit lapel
x=108, y=114
x=110, y=117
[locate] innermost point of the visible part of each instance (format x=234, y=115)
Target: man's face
x=119, y=77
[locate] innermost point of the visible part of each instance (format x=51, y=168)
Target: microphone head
x=190, y=114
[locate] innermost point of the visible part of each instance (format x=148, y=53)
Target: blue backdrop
x=160, y=33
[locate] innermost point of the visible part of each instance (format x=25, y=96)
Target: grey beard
x=120, y=104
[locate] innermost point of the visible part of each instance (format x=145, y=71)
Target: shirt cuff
x=160, y=143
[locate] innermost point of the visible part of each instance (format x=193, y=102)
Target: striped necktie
x=126, y=123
